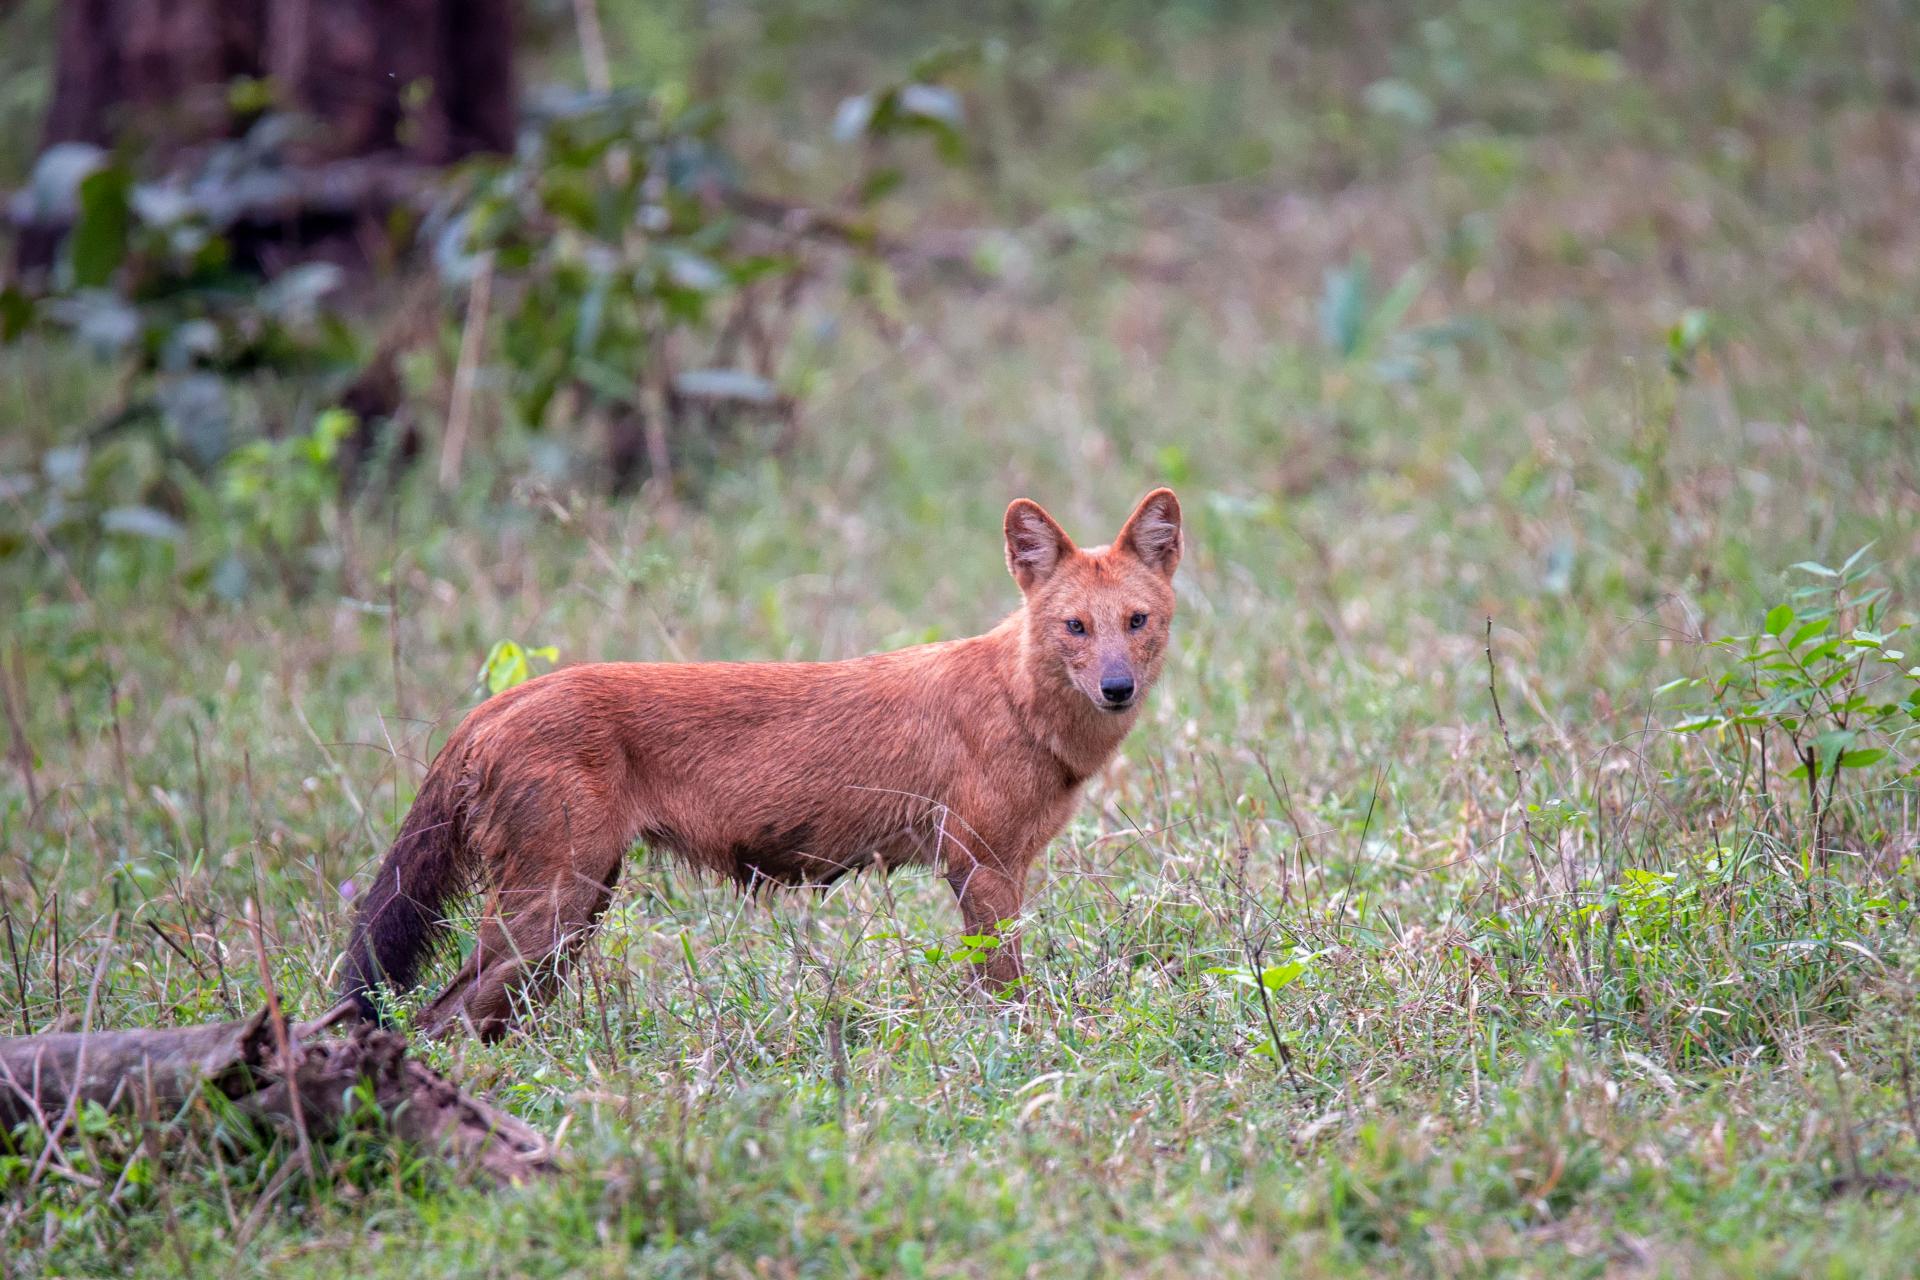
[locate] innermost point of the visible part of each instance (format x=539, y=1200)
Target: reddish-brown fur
x=967, y=756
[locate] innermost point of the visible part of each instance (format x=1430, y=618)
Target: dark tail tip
x=363, y=1006
x=401, y=921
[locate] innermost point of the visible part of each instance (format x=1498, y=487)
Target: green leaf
x=1399, y=300
x=1808, y=631
x=1779, y=618
x=1820, y=652
x=1280, y=976
x=932, y=102
x=1815, y=567
x=1685, y=335
x=331, y=428
x=1829, y=746
x=616, y=385
x=1343, y=306
x=1861, y=758
x=508, y=664
x=98, y=242
x=735, y=385
x=1855, y=558
x=142, y=522
x=16, y=313
x=880, y=184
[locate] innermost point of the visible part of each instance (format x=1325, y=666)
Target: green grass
x=1644, y=1033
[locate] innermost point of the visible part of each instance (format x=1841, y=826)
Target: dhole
x=966, y=755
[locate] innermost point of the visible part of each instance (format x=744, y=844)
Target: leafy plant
x=1687, y=338
x=1819, y=692
x=1370, y=331
x=647, y=290
x=604, y=225
x=1266, y=981
x=1719, y=955
x=279, y=486
x=148, y=279
x=1274, y=977
x=282, y=496
x=974, y=948
x=916, y=104
x=510, y=663
x=148, y=272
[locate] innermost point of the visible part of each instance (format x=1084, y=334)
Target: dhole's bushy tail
x=401, y=921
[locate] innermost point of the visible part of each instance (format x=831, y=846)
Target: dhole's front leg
x=989, y=895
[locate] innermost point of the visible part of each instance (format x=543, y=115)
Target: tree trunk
x=429, y=79
x=414, y=82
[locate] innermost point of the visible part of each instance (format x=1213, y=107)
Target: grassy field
x=1491, y=348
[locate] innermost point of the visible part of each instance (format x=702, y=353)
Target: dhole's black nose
x=1116, y=689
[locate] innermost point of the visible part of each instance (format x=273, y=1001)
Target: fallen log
x=148, y=1072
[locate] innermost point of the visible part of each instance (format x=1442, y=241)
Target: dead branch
x=161, y=1071
x=340, y=187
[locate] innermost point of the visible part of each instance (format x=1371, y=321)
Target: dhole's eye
x=1075, y=627
x=1137, y=621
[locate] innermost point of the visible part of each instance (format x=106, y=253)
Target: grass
x=1569, y=998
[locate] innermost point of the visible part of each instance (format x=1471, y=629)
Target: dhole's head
x=1098, y=618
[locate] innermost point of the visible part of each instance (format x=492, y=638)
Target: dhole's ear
x=1035, y=544
x=1152, y=532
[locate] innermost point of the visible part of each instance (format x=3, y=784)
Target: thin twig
x=17, y=731
x=80, y=1059
x=176, y=948
x=593, y=46
x=282, y=1041
x=257, y=1214
x=200, y=789
x=1513, y=758
x=460, y=408
x=19, y=973
x=1360, y=850
x=1906, y=1089
x=1255, y=954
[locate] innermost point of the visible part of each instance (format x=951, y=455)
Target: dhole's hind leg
x=539, y=913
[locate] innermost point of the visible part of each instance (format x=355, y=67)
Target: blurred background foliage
x=651, y=274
